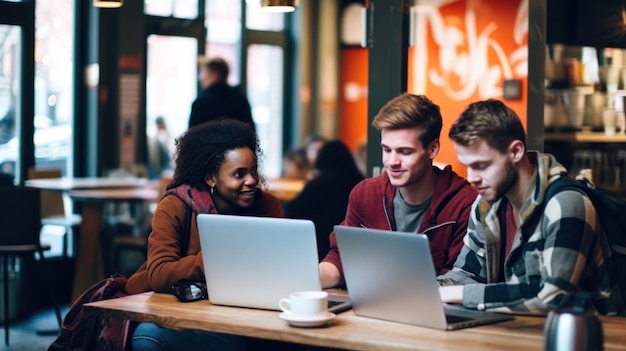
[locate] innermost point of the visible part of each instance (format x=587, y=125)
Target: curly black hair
x=200, y=150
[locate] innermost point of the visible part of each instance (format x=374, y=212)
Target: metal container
x=573, y=329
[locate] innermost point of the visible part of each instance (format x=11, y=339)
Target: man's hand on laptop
x=329, y=275
x=451, y=293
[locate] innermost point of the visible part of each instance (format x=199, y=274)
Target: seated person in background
x=295, y=165
x=411, y=195
x=216, y=172
x=312, y=146
x=521, y=254
x=324, y=198
x=360, y=158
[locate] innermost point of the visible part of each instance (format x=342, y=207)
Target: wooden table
x=93, y=193
x=89, y=263
x=284, y=189
x=346, y=331
x=70, y=183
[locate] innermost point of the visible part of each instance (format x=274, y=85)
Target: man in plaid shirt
x=522, y=254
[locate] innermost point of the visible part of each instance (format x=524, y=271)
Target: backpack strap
x=184, y=239
x=565, y=182
x=555, y=187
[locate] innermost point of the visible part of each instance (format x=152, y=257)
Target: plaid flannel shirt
x=557, y=250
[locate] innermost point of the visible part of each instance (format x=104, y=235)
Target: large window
x=171, y=8
x=266, y=57
x=172, y=57
x=257, y=19
x=265, y=91
x=10, y=49
x=54, y=55
x=174, y=35
x=223, y=23
x=170, y=90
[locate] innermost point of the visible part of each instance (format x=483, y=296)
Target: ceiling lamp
x=279, y=5
x=109, y=4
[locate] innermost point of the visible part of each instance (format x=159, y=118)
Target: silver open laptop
x=391, y=276
x=256, y=261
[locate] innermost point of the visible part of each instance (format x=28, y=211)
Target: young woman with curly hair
x=216, y=172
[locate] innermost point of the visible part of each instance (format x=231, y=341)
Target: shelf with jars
x=584, y=112
x=585, y=89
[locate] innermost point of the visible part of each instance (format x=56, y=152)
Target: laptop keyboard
x=456, y=319
x=332, y=303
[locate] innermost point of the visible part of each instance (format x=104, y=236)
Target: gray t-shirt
x=408, y=217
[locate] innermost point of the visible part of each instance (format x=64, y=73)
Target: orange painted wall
x=353, y=101
x=463, y=51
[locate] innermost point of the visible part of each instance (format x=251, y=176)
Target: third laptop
x=391, y=276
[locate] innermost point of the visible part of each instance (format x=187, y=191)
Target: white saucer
x=306, y=322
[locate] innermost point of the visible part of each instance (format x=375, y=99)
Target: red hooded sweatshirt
x=445, y=221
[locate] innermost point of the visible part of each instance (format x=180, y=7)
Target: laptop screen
x=390, y=275
x=256, y=261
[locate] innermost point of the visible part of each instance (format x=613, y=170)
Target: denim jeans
x=150, y=336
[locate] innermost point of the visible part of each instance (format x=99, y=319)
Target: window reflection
x=258, y=19
x=264, y=81
x=172, y=8
x=265, y=92
x=158, y=7
x=223, y=22
x=54, y=44
x=185, y=9
x=10, y=49
x=171, y=84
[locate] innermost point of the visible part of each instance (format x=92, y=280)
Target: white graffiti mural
x=466, y=64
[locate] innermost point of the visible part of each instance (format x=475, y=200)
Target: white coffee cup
x=305, y=304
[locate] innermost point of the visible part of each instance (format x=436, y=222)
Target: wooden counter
x=585, y=137
x=284, y=189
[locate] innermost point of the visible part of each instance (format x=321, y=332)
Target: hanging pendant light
x=110, y=4
x=279, y=5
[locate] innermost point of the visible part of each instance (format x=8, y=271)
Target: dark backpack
x=81, y=331
x=611, y=211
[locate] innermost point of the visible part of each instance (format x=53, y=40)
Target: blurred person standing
x=159, y=150
x=324, y=198
x=218, y=99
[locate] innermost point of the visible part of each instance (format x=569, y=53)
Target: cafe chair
x=53, y=211
x=127, y=242
x=19, y=236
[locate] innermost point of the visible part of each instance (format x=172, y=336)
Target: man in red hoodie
x=411, y=195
